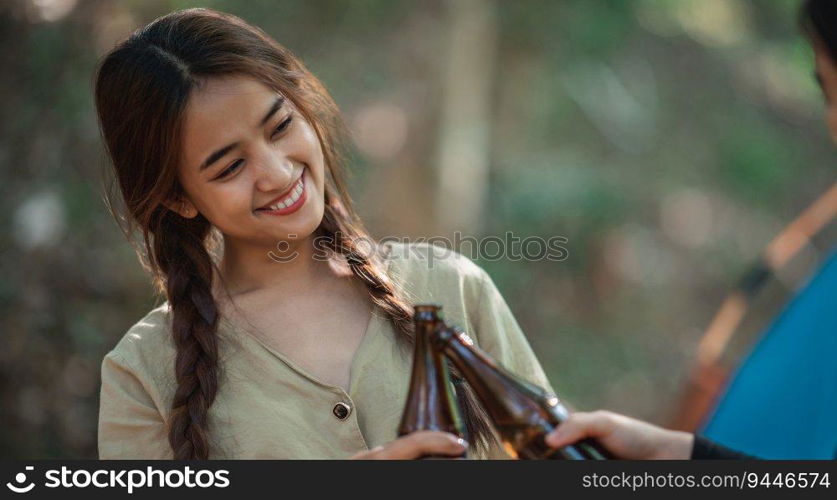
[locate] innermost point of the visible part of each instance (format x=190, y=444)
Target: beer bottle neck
x=507, y=400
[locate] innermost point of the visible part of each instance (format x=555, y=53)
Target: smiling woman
x=270, y=157
x=224, y=148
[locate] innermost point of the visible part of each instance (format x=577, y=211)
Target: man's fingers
x=579, y=426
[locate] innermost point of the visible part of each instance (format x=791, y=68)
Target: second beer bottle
x=522, y=413
x=431, y=404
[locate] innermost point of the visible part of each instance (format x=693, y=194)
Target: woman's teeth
x=290, y=199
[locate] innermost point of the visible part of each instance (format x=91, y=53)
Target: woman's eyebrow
x=276, y=106
x=217, y=155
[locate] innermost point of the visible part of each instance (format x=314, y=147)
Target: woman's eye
x=237, y=164
x=282, y=126
x=231, y=169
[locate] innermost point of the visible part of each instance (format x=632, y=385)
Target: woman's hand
x=415, y=445
x=625, y=437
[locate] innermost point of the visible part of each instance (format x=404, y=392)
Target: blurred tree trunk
x=463, y=142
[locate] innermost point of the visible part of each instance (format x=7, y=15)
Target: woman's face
x=827, y=78
x=250, y=163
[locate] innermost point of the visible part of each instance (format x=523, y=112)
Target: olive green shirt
x=269, y=408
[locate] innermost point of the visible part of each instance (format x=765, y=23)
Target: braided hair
x=343, y=239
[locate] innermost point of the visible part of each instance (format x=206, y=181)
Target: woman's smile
x=289, y=202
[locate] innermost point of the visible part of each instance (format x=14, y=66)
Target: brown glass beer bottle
x=431, y=403
x=522, y=413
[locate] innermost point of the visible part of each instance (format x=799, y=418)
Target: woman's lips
x=290, y=203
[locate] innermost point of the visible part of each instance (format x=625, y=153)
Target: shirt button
x=341, y=410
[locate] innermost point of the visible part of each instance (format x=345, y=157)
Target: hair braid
x=384, y=295
x=180, y=253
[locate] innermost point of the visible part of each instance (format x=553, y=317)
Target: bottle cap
x=427, y=306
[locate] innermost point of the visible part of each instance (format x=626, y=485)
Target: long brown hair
x=142, y=88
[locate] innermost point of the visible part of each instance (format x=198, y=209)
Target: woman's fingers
x=423, y=443
x=416, y=445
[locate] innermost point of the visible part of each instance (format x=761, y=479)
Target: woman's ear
x=182, y=206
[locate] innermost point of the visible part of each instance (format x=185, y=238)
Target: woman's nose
x=274, y=174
